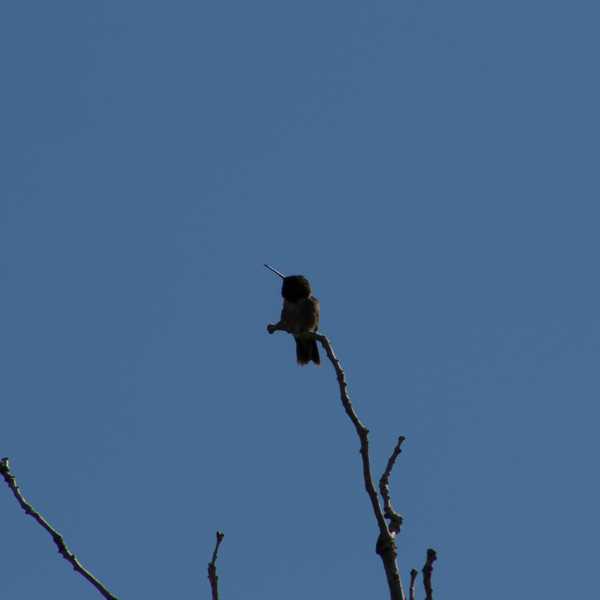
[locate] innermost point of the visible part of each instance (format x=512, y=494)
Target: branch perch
x=212, y=568
x=56, y=537
x=386, y=545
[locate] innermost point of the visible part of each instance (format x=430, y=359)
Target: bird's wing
x=309, y=314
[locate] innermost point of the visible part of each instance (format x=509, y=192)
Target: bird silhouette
x=300, y=315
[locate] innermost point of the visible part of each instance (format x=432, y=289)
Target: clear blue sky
x=432, y=167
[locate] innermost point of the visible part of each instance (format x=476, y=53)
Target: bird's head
x=295, y=287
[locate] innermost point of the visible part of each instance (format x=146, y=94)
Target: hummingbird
x=299, y=315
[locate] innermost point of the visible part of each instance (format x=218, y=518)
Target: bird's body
x=300, y=315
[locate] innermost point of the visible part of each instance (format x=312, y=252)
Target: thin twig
x=386, y=546
x=413, y=578
x=56, y=537
x=394, y=519
x=212, y=568
x=427, y=571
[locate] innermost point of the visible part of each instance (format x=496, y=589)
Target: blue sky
x=432, y=167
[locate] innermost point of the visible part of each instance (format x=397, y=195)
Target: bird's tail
x=307, y=351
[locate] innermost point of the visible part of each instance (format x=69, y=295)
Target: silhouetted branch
x=413, y=578
x=427, y=571
x=56, y=537
x=212, y=568
x=386, y=546
x=361, y=430
x=395, y=520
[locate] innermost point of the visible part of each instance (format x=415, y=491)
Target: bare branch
x=427, y=571
x=212, y=568
x=413, y=579
x=56, y=537
x=361, y=431
x=386, y=546
x=394, y=519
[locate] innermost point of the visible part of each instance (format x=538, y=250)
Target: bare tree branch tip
x=427, y=572
x=413, y=578
x=213, y=578
x=395, y=520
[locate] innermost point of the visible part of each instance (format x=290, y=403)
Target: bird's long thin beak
x=275, y=271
